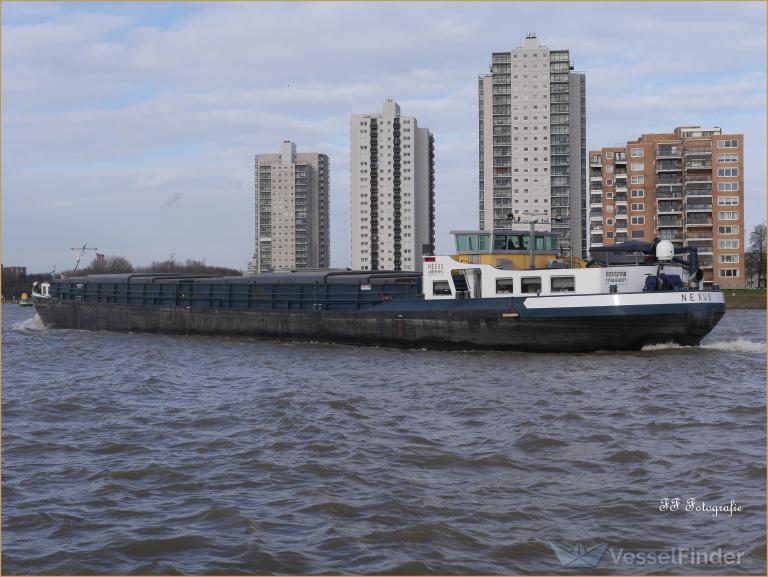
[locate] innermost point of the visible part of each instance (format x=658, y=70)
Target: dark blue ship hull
x=490, y=323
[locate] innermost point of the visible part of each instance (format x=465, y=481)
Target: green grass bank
x=745, y=298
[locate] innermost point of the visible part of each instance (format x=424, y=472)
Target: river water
x=131, y=453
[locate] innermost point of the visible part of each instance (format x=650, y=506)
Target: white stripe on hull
x=625, y=299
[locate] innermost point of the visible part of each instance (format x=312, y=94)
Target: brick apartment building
x=686, y=186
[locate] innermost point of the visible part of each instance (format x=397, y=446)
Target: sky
x=133, y=126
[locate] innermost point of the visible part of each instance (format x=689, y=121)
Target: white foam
x=737, y=346
x=662, y=346
x=32, y=324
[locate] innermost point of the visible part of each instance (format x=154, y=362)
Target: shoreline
x=743, y=299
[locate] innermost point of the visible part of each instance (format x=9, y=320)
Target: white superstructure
x=447, y=278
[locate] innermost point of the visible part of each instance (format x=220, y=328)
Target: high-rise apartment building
x=533, y=143
x=686, y=186
x=393, y=190
x=292, y=211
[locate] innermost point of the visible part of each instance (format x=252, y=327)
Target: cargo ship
x=630, y=296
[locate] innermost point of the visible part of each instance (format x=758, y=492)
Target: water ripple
x=153, y=454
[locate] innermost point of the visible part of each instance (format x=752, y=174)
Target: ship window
x=441, y=287
x=462, y=242
x=531, y=284
x=500, y=242
x=505, y=285
x=562, y=284
x=482, y=242
x=514, y=242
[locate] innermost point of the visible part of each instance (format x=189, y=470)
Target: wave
x=737, y=346
x=32, y=324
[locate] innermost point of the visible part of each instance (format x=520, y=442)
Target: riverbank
x=745, y=299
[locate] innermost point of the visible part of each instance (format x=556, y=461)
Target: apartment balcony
x=698, y=188
x=698, y=151
x=670, y=222
x=621, y=197
x=621, y=173
x=621, y=224
x=670, y=234
x=669, y=208
x=620, y=159
x=698, y=207
x=706, y=178
x=698, y=165
x=668, y=179
x=620, y=238
x=595, y=198
x=595, y=178
x=705, y=261
x=701, y=247
x=596, y=215
x=703, y=234
x=596, y=240
x=596, y=244
x=665, y=194
x=668, y=167
x=596, y=228
x=698, y=222
x=668, y=152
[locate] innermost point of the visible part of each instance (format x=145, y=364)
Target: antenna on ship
x=79, y=254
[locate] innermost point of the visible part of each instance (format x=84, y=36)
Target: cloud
x=110, y=110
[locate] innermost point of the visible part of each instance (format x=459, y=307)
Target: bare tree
x=191, y=266
x=757, y=247
x=107, y=265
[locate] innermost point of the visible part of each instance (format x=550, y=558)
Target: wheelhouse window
x=563, y=284
x=471, y=242
x=505, y=285
x=441, y=288
x=531, y=284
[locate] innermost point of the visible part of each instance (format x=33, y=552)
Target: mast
x=79, y=254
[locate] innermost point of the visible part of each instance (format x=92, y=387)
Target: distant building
x=292, y=211
x=686, y=186
x=533, y=147
x=14, y=272
x=393, y=190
